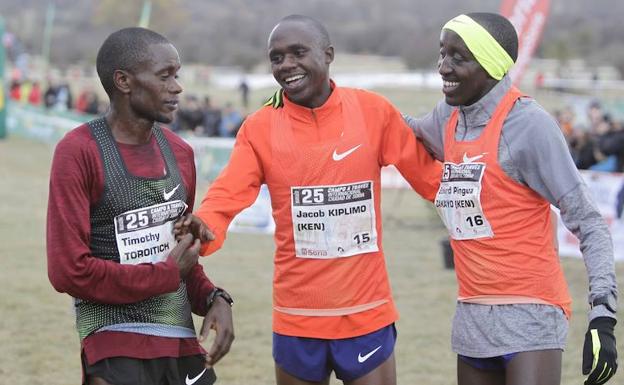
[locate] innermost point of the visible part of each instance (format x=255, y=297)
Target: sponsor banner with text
x=529, y=18
x=604, y=188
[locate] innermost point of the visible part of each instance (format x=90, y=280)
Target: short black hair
x=317, y=26
x=501, y=30
x=125, y=50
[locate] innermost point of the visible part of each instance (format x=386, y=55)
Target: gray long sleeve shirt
x=533, y=152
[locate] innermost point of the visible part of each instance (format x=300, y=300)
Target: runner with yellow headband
x=486, y=50
x=505, y=163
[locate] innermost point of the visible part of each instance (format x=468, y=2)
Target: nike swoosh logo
x=470, y=159
x=336, y=156
x=191, y=381
x=169, y=194
x=362, y=358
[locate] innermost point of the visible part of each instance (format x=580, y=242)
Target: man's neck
x=129, y=129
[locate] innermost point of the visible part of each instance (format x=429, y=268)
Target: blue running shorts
x=313, y=359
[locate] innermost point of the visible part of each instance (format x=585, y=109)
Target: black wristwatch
x=608, y=301
x=218, y=292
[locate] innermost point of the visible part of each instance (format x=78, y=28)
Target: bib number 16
x=475, y=220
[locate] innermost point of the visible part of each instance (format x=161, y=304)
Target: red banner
x=529, y=18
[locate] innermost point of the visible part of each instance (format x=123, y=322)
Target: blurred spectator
x=244, y=90
x=63, y=98
x=565, y=118
x=93, y=104
x=595, y=115
x=15, y=90
x=580, y=149
x=49, y=97
x=81, y=101
x=211, y=121
x=231, y=121
x=584, y=145
x=190, y=115
x=611, y=144
x=34, y=96
x=25, y=91
x=87, y=102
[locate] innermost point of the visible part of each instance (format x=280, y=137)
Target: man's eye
x=276, y=58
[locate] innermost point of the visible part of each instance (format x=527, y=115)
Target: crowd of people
x=599, y=145
x=204, y=118
x=57, y=96
x=194, y=116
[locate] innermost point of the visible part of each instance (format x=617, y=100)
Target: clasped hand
x=191, y=224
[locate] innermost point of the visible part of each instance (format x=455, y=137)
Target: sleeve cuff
x=600, y=311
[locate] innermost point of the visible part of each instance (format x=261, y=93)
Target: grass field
x=40, y=346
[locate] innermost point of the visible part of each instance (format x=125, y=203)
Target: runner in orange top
x=320, y=149
x=505, y=163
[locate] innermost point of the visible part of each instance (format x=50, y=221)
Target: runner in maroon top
x=117, y=185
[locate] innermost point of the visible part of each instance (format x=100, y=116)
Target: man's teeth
x=293, y=78
x=450, y=84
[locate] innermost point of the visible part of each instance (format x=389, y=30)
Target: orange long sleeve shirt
x=322, y=168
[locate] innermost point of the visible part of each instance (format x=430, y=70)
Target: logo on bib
x=470, y=159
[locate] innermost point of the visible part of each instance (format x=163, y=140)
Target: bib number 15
x=362, y=238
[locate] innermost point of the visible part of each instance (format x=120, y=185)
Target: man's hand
x=194, y=225
x=219, y=318
x=599, y=351
x=185, y=254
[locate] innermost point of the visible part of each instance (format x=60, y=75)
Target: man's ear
x=122, y=80
x=329, y=54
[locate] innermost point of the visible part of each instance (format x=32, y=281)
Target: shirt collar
x=479, y=113
x=328, y=107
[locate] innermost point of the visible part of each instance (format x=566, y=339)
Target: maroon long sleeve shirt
x=76, y=184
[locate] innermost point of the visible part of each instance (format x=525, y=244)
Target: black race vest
x=167, y=315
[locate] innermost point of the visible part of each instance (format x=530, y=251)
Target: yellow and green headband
x=492, y=57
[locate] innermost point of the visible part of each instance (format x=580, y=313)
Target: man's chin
x=165, y=119
x=451, y=101
x=300, y=98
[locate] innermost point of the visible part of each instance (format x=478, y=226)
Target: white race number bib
x=334, y=221
x=145, y=235
x=458, y=201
